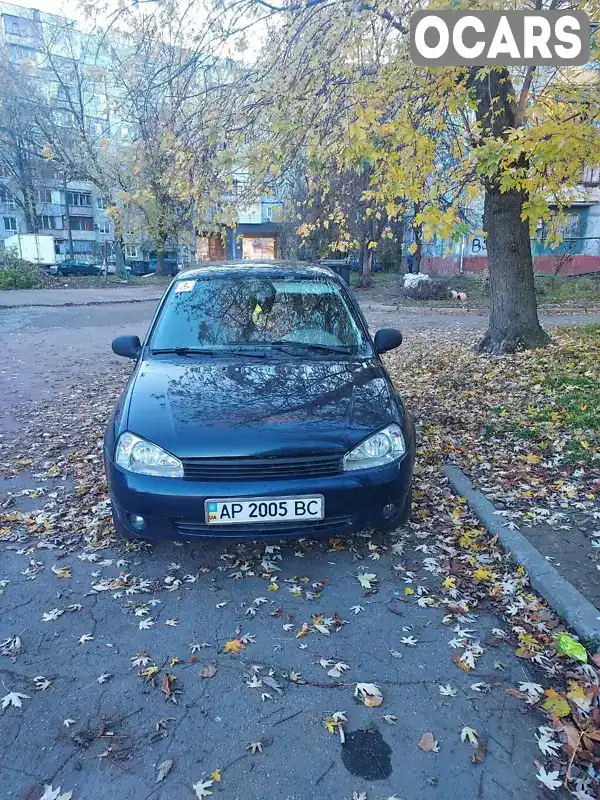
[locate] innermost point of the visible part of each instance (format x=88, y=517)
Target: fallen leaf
x=234, y=646
x=216, y=775
x=61, y=572
x=447, y=691
x=367, y=580
x=390, y=719
x=549, y=779
x=369, y=694
x=470, y=734
x=556, y=704
x=55, y=794
x=166, y=684
x=209, y=671
x=255, y=747
x=14, y=699
x=85, y=638
x=163, y=770
x=428, y=744
x=201, y=789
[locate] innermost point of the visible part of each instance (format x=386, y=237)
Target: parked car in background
x=74, y=266
x=259, y=407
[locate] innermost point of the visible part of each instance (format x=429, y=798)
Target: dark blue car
x=258, y=407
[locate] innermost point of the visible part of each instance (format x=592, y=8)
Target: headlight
x=138, y=455
x=381, y=448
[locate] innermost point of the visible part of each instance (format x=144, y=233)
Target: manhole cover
x=367, y=755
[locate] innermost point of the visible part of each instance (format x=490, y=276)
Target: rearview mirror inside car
x=127, y=346
x=387, y=339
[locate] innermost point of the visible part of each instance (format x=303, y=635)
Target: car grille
x=242, y=469
x=320, y=527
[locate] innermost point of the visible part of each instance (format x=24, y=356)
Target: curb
x=564, y=598
x=78, y=305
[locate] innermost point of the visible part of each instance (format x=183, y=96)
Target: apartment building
x=73, y=211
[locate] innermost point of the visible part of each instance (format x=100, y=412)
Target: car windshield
x=227, y=311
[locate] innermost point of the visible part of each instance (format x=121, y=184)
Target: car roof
x=261, y=269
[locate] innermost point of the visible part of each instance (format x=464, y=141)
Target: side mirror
x=127, y=346
x=387, y=339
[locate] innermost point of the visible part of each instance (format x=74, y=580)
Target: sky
x=66, y=8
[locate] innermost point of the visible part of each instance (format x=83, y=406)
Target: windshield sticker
x=185, y=286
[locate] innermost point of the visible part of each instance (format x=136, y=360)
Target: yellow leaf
x=533, y=459
x=149, y=672
x=556, y=704
x=216, y=775
x=408, y=590
x=450, y=582
x=483, y=574
x=273, y=587
x=234, y=646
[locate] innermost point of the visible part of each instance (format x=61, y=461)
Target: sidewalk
x=19, y=298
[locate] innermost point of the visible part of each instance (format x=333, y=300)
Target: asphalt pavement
x=101, y=728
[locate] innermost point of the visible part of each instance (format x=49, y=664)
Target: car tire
x=122, y=532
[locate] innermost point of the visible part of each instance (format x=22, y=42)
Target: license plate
x=264, y=509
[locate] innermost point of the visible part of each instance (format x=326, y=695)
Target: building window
x=104, y=227
x=20, y=53
x=131, y=251
x=591, y=176
x=46, y=223
x=18, y=26
x=84, y=248
x=10, y=223
x=101, y=202
x=267, y=213
x=44, y=195
x=81, y=223
x=7, y=199
x=79, y=198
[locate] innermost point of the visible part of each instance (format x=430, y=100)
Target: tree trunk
x=161, y=267
x=514, y=322
x=419, y=251
x=119, y=259
x=366, y=264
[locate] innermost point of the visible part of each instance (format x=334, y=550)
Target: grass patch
x=550, y=289
x=566, y=410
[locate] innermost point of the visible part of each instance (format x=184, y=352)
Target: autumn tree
x=21, y=147
x=437, y=137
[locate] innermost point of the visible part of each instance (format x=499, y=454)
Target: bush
x=426, y=290
x=20, y=275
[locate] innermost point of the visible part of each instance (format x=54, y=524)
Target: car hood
x=220, y=407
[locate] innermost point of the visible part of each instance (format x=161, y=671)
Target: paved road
x=123, y=725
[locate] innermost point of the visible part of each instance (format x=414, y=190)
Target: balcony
x=81, y=211
x=83, y=236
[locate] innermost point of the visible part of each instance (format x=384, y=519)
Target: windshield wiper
x=192, y=351
x=183, y=351
x=297, y=347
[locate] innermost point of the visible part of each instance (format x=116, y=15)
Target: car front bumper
x=173, y=508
